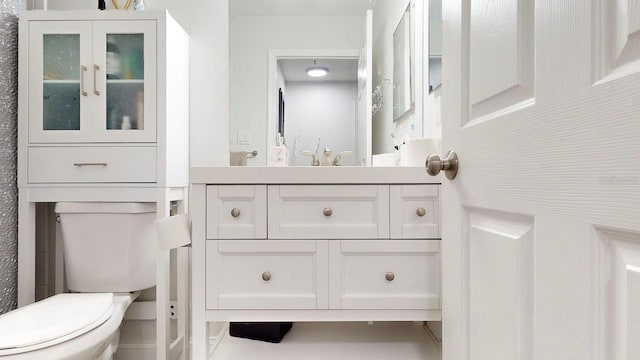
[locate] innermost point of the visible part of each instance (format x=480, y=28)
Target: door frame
x=272, y=75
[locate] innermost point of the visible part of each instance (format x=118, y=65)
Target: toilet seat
x=52, y=321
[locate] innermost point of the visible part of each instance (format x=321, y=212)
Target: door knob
x=450, y=165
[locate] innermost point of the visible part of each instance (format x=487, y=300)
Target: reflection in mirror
x=403, y=74
x=320, y=111
x=435, y=44
x=262, y=31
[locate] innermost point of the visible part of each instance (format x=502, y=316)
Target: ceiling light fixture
x=317, y=71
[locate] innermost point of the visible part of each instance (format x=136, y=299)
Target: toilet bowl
x=110, y=255
x=65, y=326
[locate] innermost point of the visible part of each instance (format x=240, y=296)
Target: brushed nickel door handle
x=235, y=212
x=421, y=212
x=266, y=276
x=450, y=165
x=95, y=77
x=83, y=69
x=327, y=212
x=89, y=164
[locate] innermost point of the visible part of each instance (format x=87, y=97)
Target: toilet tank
x=108, y=247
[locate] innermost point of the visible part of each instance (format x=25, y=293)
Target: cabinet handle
x=95, y=77
x=389, y=276
x=266, y=276
x=83, y=69
x=421, y=211
x=89, y=164
x=327, y=212
x=235, y=212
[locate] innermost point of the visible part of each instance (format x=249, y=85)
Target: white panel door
x=541, y=226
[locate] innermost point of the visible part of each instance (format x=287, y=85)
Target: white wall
x=321, y=109
x=207, y=23
x=432, y=118
x=251, y=39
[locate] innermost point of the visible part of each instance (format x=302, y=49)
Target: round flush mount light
x=317, y=71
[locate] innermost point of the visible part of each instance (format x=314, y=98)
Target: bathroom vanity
x=313, y=244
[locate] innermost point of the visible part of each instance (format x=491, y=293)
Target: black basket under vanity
x=272, y=332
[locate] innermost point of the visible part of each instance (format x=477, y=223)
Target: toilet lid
x=53, y=320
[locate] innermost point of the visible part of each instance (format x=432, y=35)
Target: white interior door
x=364, y=132
x=541, y=226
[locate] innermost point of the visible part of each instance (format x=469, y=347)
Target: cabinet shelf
x=125, y=81
x=61, y=81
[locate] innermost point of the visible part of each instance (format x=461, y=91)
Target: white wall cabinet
x=103, y=117
x=92, y=80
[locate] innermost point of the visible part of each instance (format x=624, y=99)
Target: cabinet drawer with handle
x=414, y=212
x=384, y=274
x=95, y=164
x=266, y=274
x=328, y=212
x=236, y=212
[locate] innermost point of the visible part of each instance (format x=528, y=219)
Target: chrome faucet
x=338, y=159
x=314, y=157
x=326, y=160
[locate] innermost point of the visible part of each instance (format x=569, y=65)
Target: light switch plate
x=244, y=137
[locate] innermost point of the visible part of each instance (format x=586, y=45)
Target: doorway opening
x=315, y=113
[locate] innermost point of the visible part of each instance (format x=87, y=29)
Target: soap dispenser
x=326, y=158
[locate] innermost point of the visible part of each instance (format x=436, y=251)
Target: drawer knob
x=327, y=212
x=389, y=276
x=266, y=276
x=421, y=211
x=235, y=212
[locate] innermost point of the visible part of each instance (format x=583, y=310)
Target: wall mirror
x=435, y=44
x=403, y=66
x=267, y=35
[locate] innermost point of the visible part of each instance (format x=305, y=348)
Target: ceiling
x=339, y=69
x=300, y=7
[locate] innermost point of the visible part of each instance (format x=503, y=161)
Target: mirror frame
x=404, y=35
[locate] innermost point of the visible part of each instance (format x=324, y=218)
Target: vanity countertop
x=312, y=175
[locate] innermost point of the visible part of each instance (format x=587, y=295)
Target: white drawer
x=384, y=274
x=328, y=212
x=236, y=212
x=95, y=164
x=266, y=274
x=414, y=212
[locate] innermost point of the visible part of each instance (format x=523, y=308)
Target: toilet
x=110, y=252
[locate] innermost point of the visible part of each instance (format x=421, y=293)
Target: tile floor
x=337, y=341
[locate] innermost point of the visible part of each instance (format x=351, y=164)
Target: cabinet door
x=59, y=81
x=384, y=274
x=124, y=55
x=266, y=274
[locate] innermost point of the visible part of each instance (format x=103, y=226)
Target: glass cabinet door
x=59, y=83
x=125, y=53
